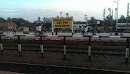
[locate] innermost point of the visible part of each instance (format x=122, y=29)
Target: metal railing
x=64, y=36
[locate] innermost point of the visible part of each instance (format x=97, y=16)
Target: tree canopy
x=108, y=22
x=2, y=20
x=122, y=19
x=18, y=21
x=92, y=21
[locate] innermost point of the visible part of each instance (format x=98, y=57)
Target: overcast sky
x=32, y=9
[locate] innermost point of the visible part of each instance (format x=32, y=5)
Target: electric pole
x=67, y=14
x=115, y=19
x=117, y=13
x=103, y=19
x=109, y=12
x=60, y=13
x=127, y=15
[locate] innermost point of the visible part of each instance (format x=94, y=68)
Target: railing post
x=89, y=49
x=19, y=45
x=56, y=30
x=127, y=50
x=64, y=47
x=99, y=38
x=1, y=45
x=41, y=46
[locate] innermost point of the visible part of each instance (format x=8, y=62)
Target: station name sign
x=62, y=22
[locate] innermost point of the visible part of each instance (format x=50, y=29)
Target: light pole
x=117, y=13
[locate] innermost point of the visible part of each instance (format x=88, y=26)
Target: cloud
x=75, y=8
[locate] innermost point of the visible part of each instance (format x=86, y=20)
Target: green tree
x=92, y=21
x=122, y=19
x=128, y=19
x=2, y=20
x=108, y=22
x=47, y=25
x=20, y=21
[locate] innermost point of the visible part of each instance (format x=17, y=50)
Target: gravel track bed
x=74, y=60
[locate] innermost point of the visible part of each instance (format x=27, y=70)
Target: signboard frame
x=62, y=24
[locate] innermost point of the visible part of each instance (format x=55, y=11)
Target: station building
x=78, y=24
x=9, y=25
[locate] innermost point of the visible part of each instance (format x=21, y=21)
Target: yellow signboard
x=63, y=22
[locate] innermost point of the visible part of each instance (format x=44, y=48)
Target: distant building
x=123, y=26
x=9, y=25
x=78, y=24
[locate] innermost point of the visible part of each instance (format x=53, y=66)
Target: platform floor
x=6, y=72
x=59, y=33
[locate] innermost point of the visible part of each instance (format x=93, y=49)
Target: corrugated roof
x=8, y=24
